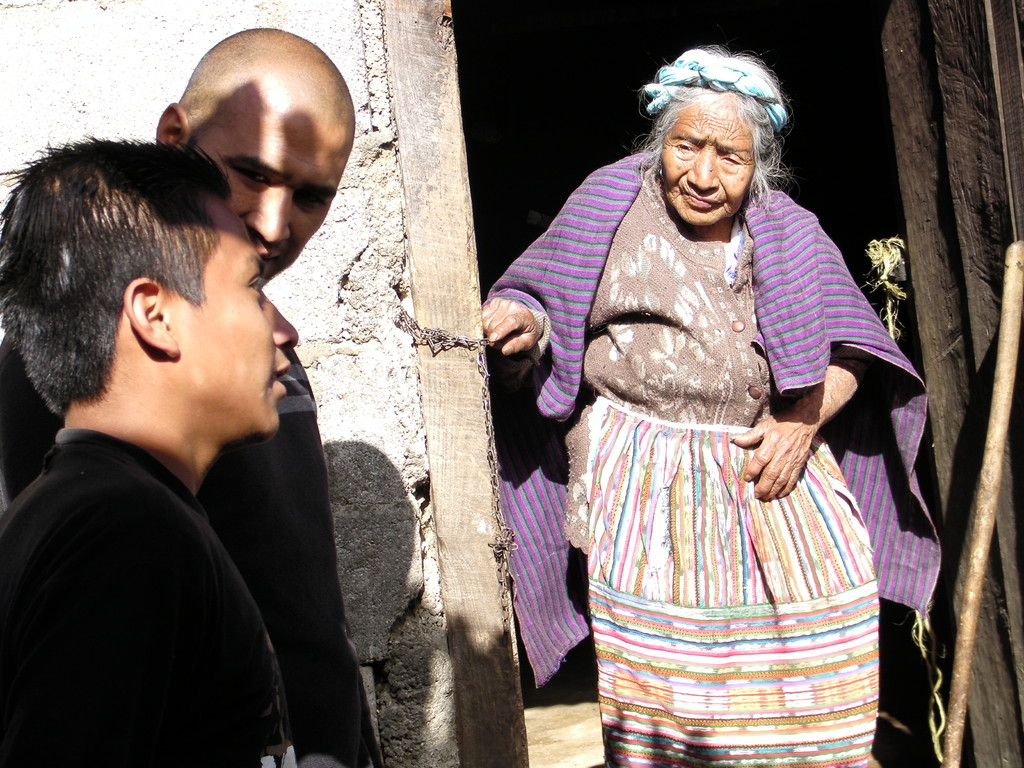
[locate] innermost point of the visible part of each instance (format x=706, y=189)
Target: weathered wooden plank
x=445, y=293
x=974, y=156
x=1005, y=44
x=954, y=196
x=933, y=261
x=932, y=248
x=941, y=318
x=975, y=153
x=1003, y=32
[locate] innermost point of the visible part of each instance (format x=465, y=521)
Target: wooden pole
x=446, y=296
x=984, y=513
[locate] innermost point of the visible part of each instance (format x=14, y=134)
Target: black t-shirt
x=127, y=636
x=270, y=508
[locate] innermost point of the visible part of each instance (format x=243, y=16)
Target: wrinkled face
x=233, y=343
x=284, y=167
x=708, y=164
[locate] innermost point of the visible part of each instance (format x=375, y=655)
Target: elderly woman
x=696, y=330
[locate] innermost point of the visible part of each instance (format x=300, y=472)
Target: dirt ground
x=563, y=726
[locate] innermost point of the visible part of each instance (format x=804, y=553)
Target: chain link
x=438, y=340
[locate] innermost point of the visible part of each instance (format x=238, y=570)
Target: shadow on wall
x=398, y=626
x=377, y=535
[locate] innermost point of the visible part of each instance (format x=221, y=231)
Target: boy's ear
x=149, y=308
x=174, y=126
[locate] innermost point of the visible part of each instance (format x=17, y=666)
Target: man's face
x=232, y=343
x=283, y=165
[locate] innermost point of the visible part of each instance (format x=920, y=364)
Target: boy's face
x=231, y=343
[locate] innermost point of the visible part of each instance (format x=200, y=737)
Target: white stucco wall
x=107, y=68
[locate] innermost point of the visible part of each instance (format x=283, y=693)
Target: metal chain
x=438, y=340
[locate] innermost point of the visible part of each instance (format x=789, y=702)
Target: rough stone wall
x=107, y=68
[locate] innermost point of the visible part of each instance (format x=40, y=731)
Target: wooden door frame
x=445, y=291
x=951, y=138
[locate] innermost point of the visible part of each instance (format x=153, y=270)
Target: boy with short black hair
x=127, y=636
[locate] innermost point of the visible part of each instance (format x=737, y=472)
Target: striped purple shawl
x=806, y=303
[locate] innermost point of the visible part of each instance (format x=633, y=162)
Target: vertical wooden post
x=446, y=295
x=975, y=152
x=942, y=319
x=950, y=161
x=984, y=511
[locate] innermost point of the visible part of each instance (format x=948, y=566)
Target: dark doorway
x=549, y=94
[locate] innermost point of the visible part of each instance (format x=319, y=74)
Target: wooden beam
x=946, y=127
x=973, y=147
x=446, y=295
x=1003, y=28
x=933, y=253
x=1005, y=45
x=981, y=201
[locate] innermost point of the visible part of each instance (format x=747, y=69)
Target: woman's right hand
x=509, y=326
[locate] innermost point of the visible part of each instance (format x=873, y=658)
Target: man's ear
x=149, y=308
x=174, y=126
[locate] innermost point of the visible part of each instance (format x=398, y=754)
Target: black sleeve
x=268, y=504
x=27, y=427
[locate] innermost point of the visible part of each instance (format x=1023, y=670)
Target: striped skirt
x=729, y=632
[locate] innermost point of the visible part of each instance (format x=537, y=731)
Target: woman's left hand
x=783, y=440
x=783, y=444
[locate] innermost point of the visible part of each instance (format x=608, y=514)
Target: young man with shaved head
x=274, y=112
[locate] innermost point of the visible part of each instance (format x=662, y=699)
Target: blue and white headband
x=699, y=68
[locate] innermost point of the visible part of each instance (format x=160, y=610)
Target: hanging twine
x=887, y=269
x=928, y=644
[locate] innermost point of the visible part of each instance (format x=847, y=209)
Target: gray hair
x=769, y=170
